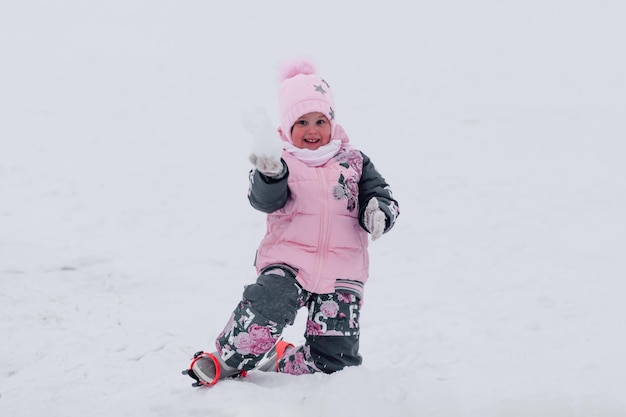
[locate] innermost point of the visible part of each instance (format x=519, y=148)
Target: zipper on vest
x=324, y=232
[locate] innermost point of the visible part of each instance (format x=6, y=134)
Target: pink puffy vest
x=317, y=231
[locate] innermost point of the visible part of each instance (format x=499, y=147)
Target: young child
x=322, y=197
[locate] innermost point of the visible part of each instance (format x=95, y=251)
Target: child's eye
x=301, y=122
x=321, y=122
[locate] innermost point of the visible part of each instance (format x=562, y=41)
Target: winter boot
x=208, y=368
x=270, y=362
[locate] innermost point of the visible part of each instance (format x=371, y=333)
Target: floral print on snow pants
x=270, y=304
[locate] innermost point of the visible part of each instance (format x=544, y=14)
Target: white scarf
x=317, y=157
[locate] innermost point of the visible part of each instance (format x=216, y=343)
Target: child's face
x=311, y=131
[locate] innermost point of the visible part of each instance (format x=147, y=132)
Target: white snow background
x=126, y=236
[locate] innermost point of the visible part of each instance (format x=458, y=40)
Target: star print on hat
x=302, y=91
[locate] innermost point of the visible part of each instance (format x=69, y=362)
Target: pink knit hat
x=301, y=92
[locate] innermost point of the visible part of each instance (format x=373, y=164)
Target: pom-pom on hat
x=302, y=91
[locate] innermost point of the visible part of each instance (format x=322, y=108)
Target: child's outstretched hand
x=374, y=219
x=266, y=146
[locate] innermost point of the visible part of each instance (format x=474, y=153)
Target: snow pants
x=271, y=304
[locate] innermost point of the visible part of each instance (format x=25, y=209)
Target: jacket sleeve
x=373, y=185
x=268, y=194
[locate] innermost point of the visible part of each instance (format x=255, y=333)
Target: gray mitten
x=374, y=219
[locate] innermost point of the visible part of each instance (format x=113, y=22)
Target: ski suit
x=314, y=255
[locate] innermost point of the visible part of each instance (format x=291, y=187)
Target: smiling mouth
x=311, y=140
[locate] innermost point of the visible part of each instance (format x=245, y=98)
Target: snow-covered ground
x=126, y=236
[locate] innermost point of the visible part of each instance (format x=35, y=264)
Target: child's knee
x=333, y=353
x=274, y=296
